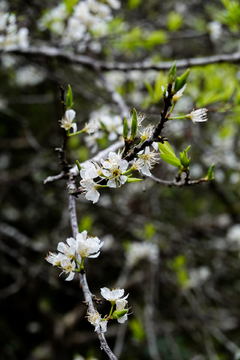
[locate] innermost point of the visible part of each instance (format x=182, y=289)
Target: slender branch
x=176, y=183
x=87, y=61
x=83, y=280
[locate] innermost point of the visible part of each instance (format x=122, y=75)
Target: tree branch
x=83, y=280
x=87, y=61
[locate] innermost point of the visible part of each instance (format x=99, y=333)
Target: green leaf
x=70, y=5
x=185, y=161
x=172, y=73
x=132, y=180
x=156, y=37
x=69, y=98
x=174, y=21
x=134, y=124
x=150, y=89
x=181, y=80
x=210, y=174
x=171, y=160
x=133, y=4
x=166, y=148
x=78, y=165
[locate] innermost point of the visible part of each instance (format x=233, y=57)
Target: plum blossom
x=90, y=170
x=113, y=295
x=113, y=125
x=55, y=259
x=120, y=305
x=149, y=159
x=96, y=320
x=114, y=167
x=147, y=132
x=63, y=262
x=179, y=93
x=87, y=246
x=142, y=250
x=67, y=120
x=90, y=190
x=68, y=267
x=199, y=115
x=68, y=250
x=92, y=126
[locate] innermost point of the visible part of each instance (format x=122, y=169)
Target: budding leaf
x=166, y=148
x=119, y=313
x=69, y=98
x=185, y=161
x=132, y=180
x=181, y=80
x=78, y=165
x=172, y=73
x=210, y=174
x=125, y=128
x=150, y=89
x=134, y=124
x=172, y=160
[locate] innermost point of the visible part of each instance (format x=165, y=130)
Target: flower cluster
x=88, y=20
x=112, y=171
x=10, y=36
x=120, y=313
x=116, y=299
x=74, y=252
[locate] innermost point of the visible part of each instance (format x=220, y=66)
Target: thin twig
x=83, y=280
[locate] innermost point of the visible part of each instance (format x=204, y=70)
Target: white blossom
x=147, y=132
x=179, y=93
x=114, y=168
x=67, y=120
x=113, y=295
x=68, y=267
x=113, y=125
x=115, y=4
x=90, y=190
x=55, y=259
x=199, y=115
x=92, y=126
x=29, y=76
x=68, y=249
x=149, y=158
x=90, y=170
x=96, y=320
x=87, y=246
x=142, y=250
x=120, y=305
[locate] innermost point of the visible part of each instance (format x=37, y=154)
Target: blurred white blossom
x=29, y=76
x=138, y=251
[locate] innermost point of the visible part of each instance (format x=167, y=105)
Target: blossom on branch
x=114, y=167
x=67, y=121
x=68, y=250
x=96, y=320
x=149, y=159
x=90, y=190
x=88, y=246
x=179, y=93
x=113, y=295
x=199, y=115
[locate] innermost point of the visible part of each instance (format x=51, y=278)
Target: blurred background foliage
x=185, y=305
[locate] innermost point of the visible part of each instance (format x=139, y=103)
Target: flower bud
x=119, y=313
